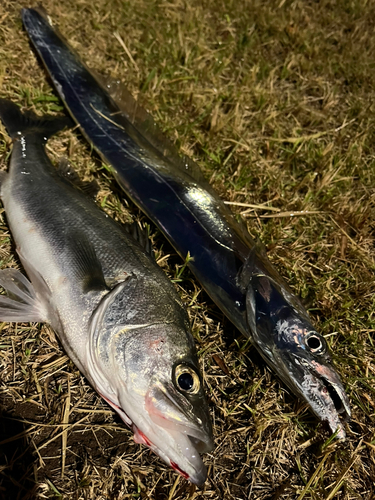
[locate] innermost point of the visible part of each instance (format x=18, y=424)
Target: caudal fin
x=19, y=123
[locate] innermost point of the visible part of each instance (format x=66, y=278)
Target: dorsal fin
x=258, y=265
x=142, y=235
x=250, y=267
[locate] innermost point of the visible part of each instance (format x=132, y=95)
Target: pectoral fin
x=21, y=302
x=251, y=265
x=85, y=263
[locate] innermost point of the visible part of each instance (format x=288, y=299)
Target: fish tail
x=18, y=123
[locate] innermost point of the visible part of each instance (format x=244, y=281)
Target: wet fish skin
x=195, y=220
x=117, y=315
x=295, y=350
x=196, y=209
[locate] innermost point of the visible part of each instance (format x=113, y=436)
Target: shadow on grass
x=16, y=460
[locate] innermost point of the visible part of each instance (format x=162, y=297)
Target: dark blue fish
x=172, y=192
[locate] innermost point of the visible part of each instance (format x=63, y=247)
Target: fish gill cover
x=275, y=102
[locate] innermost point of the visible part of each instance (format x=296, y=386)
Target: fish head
x=147, y=369
x=298, y=353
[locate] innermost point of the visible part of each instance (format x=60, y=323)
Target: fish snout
x=171, y=410
x=181, y=431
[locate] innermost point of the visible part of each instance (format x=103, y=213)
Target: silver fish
x=290, y=344
x=173, y=193
x=117, y=315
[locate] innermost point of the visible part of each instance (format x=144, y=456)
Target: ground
x=275, y=102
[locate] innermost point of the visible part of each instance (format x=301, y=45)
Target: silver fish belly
x=225, y=259
x=116, y=313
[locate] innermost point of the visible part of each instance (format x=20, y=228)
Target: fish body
x=117, y=315
x=224, y=258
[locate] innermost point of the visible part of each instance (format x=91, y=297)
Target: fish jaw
x=189, y=445
x=334, y=391
x=133, y=365
x=171, y=412
x=320, y=386
x=177, y=445
x=187, y=461
x=286, y=339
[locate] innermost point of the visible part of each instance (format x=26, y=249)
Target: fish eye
x=316, y=343
x=187, y=379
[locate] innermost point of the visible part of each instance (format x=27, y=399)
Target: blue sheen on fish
x=172, y=192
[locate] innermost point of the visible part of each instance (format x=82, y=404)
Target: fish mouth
x=198, y=474
x=321, y=387
x=194, y=469
x=191, y=442
x=191, y=446
x=315, y=383
x=180, y=429
x=337, y=409
x=337, y=401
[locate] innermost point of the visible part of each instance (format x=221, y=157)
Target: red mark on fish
x=140, y=438
x=177, y=468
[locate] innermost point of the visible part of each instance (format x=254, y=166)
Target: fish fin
x=41, y=11
x=148, y=128
x=86, y=264
x=142, y=235
x=38, y=282
x=258, y=264
x=21, y=302
x=66, y=171
x=19, y=123
x=90, y=188
x=249, y=267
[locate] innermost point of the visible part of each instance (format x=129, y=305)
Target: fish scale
x=231, y=266
x=106, y=298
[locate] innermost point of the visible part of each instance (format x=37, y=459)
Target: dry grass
x=275, y=101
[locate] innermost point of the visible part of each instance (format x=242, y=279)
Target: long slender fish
x=234, y=270
x=117, y=315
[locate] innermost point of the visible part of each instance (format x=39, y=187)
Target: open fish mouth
x=337, y=401
x=323, y=389
x=314, y=382
x=337, y=409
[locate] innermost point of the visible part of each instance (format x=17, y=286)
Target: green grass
x=275, y=102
